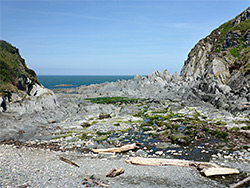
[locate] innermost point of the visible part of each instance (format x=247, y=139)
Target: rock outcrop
x=220, y=65
x=215, y=78
x=223, y=54
x=20, y=90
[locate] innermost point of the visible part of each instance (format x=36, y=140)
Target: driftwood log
x=116, y=150
x=206, y=168
x=115, y=172
x=219, y=171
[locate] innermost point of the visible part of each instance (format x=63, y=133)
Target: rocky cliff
x=20, y=90
x=223, y=55
x=218, y=67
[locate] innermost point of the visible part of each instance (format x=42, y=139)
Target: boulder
x=104, y=115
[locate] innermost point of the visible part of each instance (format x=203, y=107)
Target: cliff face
x=15, y=75
x=20, y=90
x=224, y=55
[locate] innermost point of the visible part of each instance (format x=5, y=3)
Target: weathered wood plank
x=206, y=168
x=219, y=171
x=169, y=162
x=117, y=150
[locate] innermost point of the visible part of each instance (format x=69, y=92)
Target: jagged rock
x=218, y=54
x=218, y=67
x=212, y=77
x=176, y=77
x=247, y=39
x=242, y=17
x=167, y=75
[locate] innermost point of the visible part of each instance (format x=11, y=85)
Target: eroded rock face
x=221, y=54
x=40, y=99
x=21, y=92
x=218, y=67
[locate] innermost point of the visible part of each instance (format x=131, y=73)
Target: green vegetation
x=246, y=127
x=12, y=66
x=239, y=53
x=100, y=138
x=225, y=28
x=86, y=124
x=235, y=52
x=103, y=133
x=85, y=135
x=124, y=130
x=220, y=123
x=64, y=136
x=181, y=129
x=243, y=26
x=112, y=100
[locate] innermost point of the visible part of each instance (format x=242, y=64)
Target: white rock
x=159, y=152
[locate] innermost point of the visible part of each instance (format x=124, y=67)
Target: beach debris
x=93, y=182
x=115, y=172
x=206, y=168
x=116, y=150
x=240, y=183
x=219, y=171
x=69, y=161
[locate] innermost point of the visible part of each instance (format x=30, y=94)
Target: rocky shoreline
x=203, y=114
x=162, y=117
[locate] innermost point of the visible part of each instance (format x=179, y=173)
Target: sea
x=63, y=81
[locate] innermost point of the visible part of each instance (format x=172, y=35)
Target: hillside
x=223, y=55
x=15, y=76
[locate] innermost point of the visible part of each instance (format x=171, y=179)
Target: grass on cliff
x=228, y=27
x=12, y=66
x=240, y=59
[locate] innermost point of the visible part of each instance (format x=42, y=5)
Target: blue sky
x=110, y=37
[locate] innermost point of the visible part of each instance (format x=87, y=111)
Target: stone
x=140, y=153
x=104, y=115
x=167, y=75
x=159, y=152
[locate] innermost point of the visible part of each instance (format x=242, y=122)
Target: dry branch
x=115, y=172
x=69, y=161
x=241, y=182
x=95, y=182
x=208, y=169
x=116, y=150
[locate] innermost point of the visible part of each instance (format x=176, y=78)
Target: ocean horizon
x=73, y=81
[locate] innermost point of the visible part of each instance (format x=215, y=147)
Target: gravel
x=27, y=167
